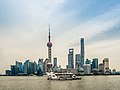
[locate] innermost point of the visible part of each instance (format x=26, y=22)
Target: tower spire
x=49, y=33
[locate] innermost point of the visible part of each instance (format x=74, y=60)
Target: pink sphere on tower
x=49, y=44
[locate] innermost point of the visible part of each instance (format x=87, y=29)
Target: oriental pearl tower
x=49, y=45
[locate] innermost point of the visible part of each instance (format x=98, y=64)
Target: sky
x=24, y=30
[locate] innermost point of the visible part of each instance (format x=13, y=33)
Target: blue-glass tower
x=82, y=52
x=95, y=63
x=71, y=58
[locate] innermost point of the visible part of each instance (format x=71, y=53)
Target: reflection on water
x=40, y=83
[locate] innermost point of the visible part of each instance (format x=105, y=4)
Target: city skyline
x=24, y=30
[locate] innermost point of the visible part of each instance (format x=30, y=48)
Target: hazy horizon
x=24, y=30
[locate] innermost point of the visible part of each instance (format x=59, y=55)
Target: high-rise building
x=40, y=67
x=26, y=65
x=77, y=61
x=101, y=68
x=82, y=52
x=95, y=63
x=20, y=67
x=18, y=63
x=40, y=64
x=14, y=70
x=49, y=45
x=55, y=62
x=35, y=67
x=87, y=68
x=45, y=69
x=31, y=68
x=106, y=65
x=71, y=58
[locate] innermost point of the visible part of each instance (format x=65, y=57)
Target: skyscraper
x=20, y=67
x=71, y=58
x=55, y=62
x=82, y=52
x=40, y=67
x=14, y=70
x=45, y=69
x=35, y=67
x=26, y=66
x=77, y=61
x=18, y=63
x=95, y=63
x=49, y=45
x=100, y=68
x=106, y=65
x=94, y=66
x=40, y=64
x=31, y=68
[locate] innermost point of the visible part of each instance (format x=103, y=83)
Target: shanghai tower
x=82, y=52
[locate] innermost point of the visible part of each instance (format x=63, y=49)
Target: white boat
x=62, y=76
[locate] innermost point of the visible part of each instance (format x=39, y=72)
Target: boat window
x=53, y=75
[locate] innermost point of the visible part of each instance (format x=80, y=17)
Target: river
x=41, y=83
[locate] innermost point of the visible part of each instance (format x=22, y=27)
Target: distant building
x=87, y=68
x=106, y=66
x=82, y=52
x=55, y=64
x=77, y=61
x=31, y=68
x=88, y=61
x=40, y=67
x=40, y=64
x=94, y=66
x=18, y=63
x=59, y=69
x=14, y=70
x=114, y=71
x=8, y=72
x=71, y=58
x=95, y=63
x=100, y=68
x=26, y=65
x=45, y=66
x=35, y=67
x=20, y=67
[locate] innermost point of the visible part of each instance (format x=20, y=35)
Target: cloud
x=112, y=33
x=96, y=25
x=24, y=26
x=27, y=11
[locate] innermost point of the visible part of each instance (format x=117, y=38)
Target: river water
x=41, y=83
